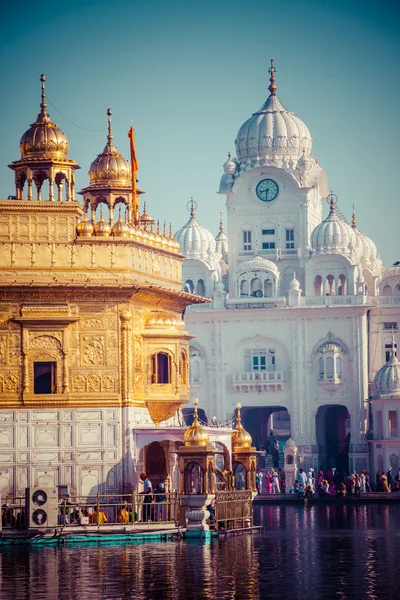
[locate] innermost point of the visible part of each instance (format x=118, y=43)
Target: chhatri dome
x=257, y=263
x=240, y=437
x=387, y=379
x=222, y=240
x=333, y=235
x=195, y=435
x=369, y=252
x=110, y=167
x=272, y=133
x=195, y=241
x=44, y=140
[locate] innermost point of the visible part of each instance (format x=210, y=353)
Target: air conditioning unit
x=41, y=505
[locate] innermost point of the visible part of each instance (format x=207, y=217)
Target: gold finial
x=332, y=199
x=272, y=87
x=195, y=435
x=221, y=225
x=109, y=136
x=229, y=156
x=101, y=213
x=43, y=104
x=165, y=229
x=353, y=218
x=119, y=215
x=193, y=205
x=158, y=226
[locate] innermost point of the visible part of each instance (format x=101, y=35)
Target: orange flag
x=134, y=167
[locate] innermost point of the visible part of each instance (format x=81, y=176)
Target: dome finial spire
x=353, y=218
x=332, y=199
x=221, y=225
x=272, y=87
x=191, y=206
x=43, y=104
x=109, y=136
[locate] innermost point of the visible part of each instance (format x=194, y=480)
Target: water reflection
x=314, y=552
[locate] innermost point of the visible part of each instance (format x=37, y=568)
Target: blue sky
x=189, y=74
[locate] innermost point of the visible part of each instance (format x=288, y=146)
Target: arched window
x=161, y=368
x=267, y=288
x=330, y=362
x=256, y=287
x=330, y=286
x=342, y=287
x=195, y=371
x=318, y=286
x=397, y=290
x=200, y=288
x=189, y=286
x=194, y=479
x=244, y=288
x=246, y=240
x=387, y=290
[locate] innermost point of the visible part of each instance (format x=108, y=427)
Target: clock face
x=267, y=190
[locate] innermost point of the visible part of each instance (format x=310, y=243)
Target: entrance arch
x=333, y=437
x=259, y=421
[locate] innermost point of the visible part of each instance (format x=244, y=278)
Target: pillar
x=126, y=357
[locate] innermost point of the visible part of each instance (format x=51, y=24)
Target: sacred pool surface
x=314, y=553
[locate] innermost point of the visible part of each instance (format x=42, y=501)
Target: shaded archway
x=333, y=437
x=156, y=464
x=260, y=421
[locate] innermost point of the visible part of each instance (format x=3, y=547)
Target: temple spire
x=272, y=87
x=43, y=104
x=353, y=218
x=109, y=136
x=191, y=206
x=221, y=225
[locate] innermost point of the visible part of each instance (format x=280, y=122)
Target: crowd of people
x=330, y=483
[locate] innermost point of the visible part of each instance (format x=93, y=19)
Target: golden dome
x=195, y=435
x=146, y=220
x=85, y=227
x=102, y=227
x=110, y=167
x=44, y=140
x=240, y=437
x=120, y=228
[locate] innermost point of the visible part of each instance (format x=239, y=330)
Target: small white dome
x=229, y=166
x=392, y=272
x=290, y=443
x=294, y=284
x=387, y=379
x=195, y=241
x=258, y=264
x=221, y=240
x=333, y=236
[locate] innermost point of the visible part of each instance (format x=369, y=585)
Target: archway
x=156, y=464
x=333, y=437
x=259, y=422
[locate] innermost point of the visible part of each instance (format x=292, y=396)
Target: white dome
x=195, y=241
x=221, y=240
x=258, y=264
x=294, y=284
x=387, y=379
x=333, y=236
x=392, y=272
x=272, y=133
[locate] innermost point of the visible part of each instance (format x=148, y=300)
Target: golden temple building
x=92, y=338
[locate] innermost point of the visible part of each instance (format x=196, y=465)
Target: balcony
x=258, y=381
x=333, y=300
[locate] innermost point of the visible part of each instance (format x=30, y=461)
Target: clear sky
x=189, y=73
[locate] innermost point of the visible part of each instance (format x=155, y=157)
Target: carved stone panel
x=93, y=350
x=45, y=477
x=6, y=437
x=45, y=437
x=89, y=435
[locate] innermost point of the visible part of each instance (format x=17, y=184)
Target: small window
x=161, y=368
x=259, y=360
x=289, y=239
x=390, y=325
x=268, y=239
x=44, y=374
x=246, y=240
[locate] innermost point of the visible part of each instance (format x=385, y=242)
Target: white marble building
x=302, y=311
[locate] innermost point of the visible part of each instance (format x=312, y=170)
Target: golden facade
x=90, y=310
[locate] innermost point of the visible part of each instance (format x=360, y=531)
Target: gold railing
x=233, y=510
x=101, y=509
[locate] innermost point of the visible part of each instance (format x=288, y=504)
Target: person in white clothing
x=310, y=479
x=362, y=477
x=275, y=482
x=302, y=478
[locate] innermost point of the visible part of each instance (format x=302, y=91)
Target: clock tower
x=274, y=189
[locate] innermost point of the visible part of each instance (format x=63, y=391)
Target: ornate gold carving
x=93, y=350
x=94, y=382
x=156, y=265
x=46, y=342
x=9, y=383
x=3, y=350
x=93, y=323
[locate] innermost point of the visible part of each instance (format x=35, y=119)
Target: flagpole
x=134, y=168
